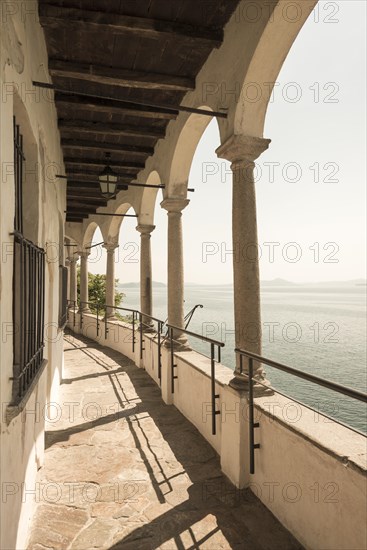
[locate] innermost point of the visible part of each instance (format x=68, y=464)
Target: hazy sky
x=312, y=207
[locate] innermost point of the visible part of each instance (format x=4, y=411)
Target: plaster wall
x=23, y=58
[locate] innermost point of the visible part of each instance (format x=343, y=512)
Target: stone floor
x=125, y=471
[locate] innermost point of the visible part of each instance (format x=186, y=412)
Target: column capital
x=84, y=253
x=145, y=229
x=174, y=204
x=110, y=246
x=74, y=257
x=240, y=148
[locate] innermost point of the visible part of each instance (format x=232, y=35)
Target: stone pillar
x=110, y=279
x=242, y=151
x=73, y=283
x=84, y=281
x=174, y=207
x=146, y=303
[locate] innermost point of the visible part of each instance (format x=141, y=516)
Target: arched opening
x=97, y=253
x=208, y=244
x=184, y=152
x=310, y=199
x=122, y=231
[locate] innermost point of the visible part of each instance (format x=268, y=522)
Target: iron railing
x=28, y=312
x=137, y=316
x=144, y=328
x=345, y=390
x=188, y=316
x=213, y=344
x=19, y=158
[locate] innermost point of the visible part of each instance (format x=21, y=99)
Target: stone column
x=174, y=207
x=242, y=151
x=73, y=288
x=84, y=281
x=110, y=279
x=146, y=303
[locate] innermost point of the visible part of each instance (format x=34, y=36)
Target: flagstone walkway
x=125, y=471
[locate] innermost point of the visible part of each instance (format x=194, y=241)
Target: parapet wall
x=309, y=471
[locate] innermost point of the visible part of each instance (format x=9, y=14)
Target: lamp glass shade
x=108, y=182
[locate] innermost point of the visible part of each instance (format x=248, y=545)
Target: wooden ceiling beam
x=74, y=173
x=88, y=21
x=83, y=197
x=90, y=186
x=118, y=78
x=73, y=200
x=71, y=162
x=72, y=100
x=81, y=213
x=98, y=146
x=109, y=129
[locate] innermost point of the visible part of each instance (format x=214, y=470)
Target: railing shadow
x=243, y=520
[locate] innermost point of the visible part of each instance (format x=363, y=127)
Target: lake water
x=321, y=330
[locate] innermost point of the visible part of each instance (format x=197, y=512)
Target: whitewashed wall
x=23, y=58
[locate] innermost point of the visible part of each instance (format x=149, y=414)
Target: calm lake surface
x=318, y=329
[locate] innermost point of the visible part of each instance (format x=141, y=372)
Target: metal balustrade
x=252, y=357
x=213, y=344
x=345, y=390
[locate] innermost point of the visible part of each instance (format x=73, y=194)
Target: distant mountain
x=137, y=285
x=352, y=282
x=274, y=282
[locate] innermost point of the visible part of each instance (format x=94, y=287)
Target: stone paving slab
x=125, y=471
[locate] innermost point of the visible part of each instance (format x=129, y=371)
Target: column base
x=111, y=317
x=84, y=310
x=149, y=329
x=240, y=383
x=180, y=343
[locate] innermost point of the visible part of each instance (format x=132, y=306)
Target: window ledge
x=14, y=409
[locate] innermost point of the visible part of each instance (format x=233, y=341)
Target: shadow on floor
x=243, y=520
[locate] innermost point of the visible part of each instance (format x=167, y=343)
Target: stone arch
x=272, y=49
x=89, y=232
x=113, y=228
x=184, y=152
x=148, y=199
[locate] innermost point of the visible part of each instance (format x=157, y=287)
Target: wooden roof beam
x=71, y=162
x=83, y=20
x=98, y=146
x=110, y=106
x=117, y=77
x=103, y=128
x=75, y=200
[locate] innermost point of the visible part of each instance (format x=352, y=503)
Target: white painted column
x=242, y=151
x=73, y=289
x=110, y=279
x=84, y=281
x=174, y=207
x=146, y=302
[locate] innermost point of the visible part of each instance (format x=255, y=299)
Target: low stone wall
x=309, y=471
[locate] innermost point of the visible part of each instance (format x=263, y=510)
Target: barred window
x=28, y=289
